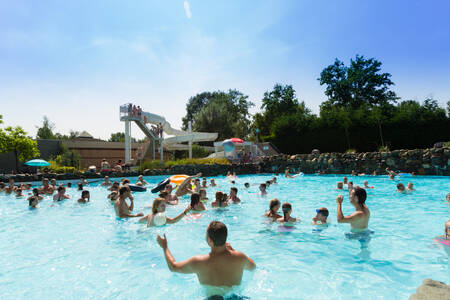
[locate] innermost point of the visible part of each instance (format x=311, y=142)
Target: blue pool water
x=73, y=251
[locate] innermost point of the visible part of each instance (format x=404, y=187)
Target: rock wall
x=435, y=161
x=432, y=290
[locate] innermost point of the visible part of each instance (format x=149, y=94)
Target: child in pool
x=204, y=185
x=212, y=183
x=286, y=218
x=410, y=187
x=340, y=185
x=221, y=200
x=321, y=216
x=262, y=190
x=273, y=210
x=85, y=197
x=401, y=188
x=196, y=204
x=203, y=197
x=247, y=185
x=19, y=193
x=366, y=185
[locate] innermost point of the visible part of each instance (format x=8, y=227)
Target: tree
x=358, y=84
x=1, y=119
x=279, y=102
x=223, y=112
x=14, y=139
x=45, y=132
x=119, y=137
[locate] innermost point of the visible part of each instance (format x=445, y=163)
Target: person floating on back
x=219, y=270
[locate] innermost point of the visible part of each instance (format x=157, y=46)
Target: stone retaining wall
x=435, y=161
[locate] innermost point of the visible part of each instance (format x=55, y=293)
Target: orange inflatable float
x=178, y=179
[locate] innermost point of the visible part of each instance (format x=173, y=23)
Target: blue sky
x=77, y=61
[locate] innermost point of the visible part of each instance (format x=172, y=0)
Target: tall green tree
x=280, y=101
x=119, y=137
x=46, y=130
x=15, y=139
x=360, y=83
x=226, y=113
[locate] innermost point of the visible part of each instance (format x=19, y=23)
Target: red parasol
x=237, y=140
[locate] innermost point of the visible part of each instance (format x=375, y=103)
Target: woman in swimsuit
x=286, y=218
x=196, y=204
x=221, y=200
x=273, y=210
x=159, y=211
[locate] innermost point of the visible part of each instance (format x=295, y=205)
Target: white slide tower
x=174, y=142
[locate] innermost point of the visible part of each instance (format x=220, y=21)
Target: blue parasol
x=37, y=163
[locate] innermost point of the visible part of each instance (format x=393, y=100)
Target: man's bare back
x=184, y=187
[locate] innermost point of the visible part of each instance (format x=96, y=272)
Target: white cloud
x=187, y=9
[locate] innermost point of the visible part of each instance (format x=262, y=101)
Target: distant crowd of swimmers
x=223, y=266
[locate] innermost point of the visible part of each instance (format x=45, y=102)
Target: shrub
x=351, y=151
x=150, y=164
x=383, y=149
x=57, y=168
x=155, y=164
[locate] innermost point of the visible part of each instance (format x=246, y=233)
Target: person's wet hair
x=400, y=186
x=61, y=188
x=219, y=196
x=163, y=194
x=286, y=207
x=323, y=211
x=126, y=181
x=273, y=203
x=195, y=199
x=35, y=192
x=84, y=193
x=361, y=194
x=267, y=182
x=80, y=186
x=247, y=184
x=263, y=185
x=217, y=232
x=123, y=190
x=234, y=189
x=233, y=182
x=155, y=205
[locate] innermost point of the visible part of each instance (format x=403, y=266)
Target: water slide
x=177, y=137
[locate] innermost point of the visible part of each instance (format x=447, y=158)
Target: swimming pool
x=73, y=251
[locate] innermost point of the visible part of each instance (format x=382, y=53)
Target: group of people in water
x=223, y=266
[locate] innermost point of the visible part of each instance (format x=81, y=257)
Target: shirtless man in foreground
x=222, y=267
x=184, y=187
x=121, y=206
x=359, y=220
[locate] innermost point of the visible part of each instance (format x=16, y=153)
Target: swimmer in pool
x=85, y=197
x=246, y=185
x=359, y=220
x=114, y=187
x=203, y=197
x=366, y=184
x=321, y=216
x=184, y=187
x=61, y=194
x=141, y=181
x=35, y=195
x=196, y=204
x=121, y=207
x=33, y=202
x=2, y=187
x=262, y=190
x=410, y=187
x=401, y=188
x=10, y=188
x=80, y=186
x=286, y=218
x=345, y=180
x=287, y=173
x=221, y=200
x=46, y=188
x=159, y=211
x=204, y=183
x=350, y=186
x=107, y=182
x=233, y=198
x=220, y=269
x=340, y=185
x=274, y=180
x=274, y=206
x=53, y=184
x=173, y=199
x=391, y=173
x=447, y=197
x=212, y=182
x=113, y=196
x=19, y=193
